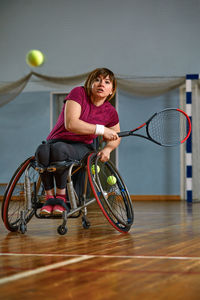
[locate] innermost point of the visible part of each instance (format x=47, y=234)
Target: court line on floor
x=104, y=256
x=43, y=269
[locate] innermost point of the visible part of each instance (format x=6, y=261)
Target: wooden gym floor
x=158, y=259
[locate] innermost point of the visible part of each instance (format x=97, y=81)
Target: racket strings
x=168, y=127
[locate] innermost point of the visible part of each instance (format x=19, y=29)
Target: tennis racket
x=169, y=127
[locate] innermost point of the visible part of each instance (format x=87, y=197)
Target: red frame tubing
x=189, y=127
x=27, y=162
x=97, y=198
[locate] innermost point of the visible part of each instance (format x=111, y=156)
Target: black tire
x=85, y=223
x=14, y=200
x=9, y=184
x=62, y=230
x=22, y=228
x=114, y=200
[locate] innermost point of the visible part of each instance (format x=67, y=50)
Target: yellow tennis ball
x=93, y=169
x=111, y=180
x=35, y=58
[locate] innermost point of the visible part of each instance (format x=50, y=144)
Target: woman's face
x=102, y=87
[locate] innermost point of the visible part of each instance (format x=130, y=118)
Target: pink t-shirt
x=104, y=115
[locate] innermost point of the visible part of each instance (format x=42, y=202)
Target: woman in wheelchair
x=86, y=114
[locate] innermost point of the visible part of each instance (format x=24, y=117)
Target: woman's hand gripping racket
x=168, y=128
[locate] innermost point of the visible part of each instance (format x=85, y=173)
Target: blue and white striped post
x=189, y=79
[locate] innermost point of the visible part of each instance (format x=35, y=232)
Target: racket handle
x=123, y=133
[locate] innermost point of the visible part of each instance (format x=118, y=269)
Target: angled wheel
x=111, y=193
x=16, y=196
x=9, y=184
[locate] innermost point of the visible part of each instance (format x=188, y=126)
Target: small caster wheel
x=62, y=230
x=85, y=223
x=22, y=228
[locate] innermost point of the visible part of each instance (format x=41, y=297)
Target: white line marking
x=189, y=159
x=43, y=269
x=188, y=183
x=188, y=109
x=104, y=256
x=188, y=85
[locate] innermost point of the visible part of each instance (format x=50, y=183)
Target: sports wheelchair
x=24, y=195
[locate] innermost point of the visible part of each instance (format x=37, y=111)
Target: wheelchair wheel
x=9, y=184
x=15, y=197
x=111, y=193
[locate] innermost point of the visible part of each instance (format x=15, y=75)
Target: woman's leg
x=60, y=151
x=42, y=155
x=43, y=158
x=64, y=151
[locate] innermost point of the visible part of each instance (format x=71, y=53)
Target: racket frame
x=148, y=137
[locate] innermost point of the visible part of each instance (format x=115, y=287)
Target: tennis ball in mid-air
x=93, y=169
x=111, y=180
x=35, y=58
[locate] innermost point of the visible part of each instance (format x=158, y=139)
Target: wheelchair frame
x=119, y=211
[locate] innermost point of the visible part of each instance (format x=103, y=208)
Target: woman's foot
x=47, y=209
x=59, y=209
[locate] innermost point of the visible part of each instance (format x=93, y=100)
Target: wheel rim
x=15, y=200
x=118, y=211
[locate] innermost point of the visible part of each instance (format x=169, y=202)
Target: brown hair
x=94, y=75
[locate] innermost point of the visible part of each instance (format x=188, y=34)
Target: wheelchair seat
x=54, y=166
